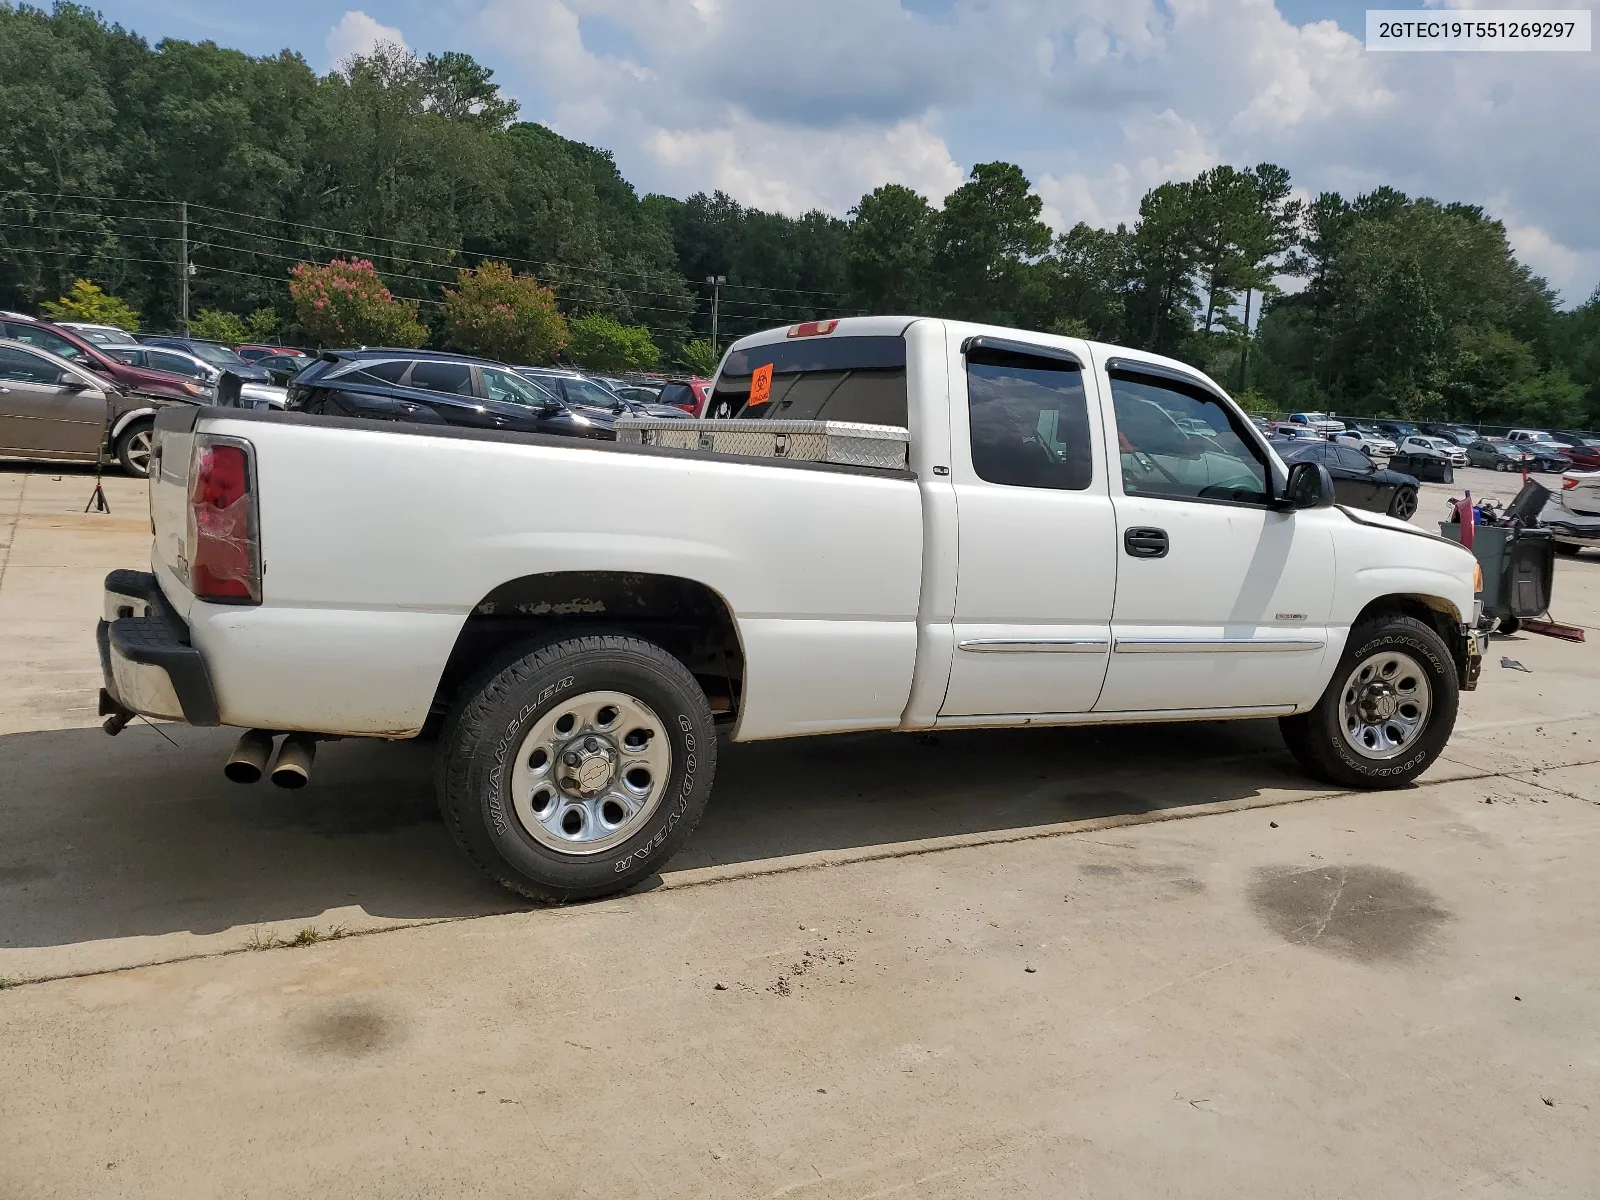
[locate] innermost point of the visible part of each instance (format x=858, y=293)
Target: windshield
x=590, y=393
x=220, y=355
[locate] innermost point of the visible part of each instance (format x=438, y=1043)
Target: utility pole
x=183, y=262
x=716, y=282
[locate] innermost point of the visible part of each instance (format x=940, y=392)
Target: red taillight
x=1568, y=482
x=812, y=328
x=224, y=547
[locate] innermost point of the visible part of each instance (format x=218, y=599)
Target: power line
x=373, y=237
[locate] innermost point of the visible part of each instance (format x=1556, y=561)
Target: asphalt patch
x=1364, y=913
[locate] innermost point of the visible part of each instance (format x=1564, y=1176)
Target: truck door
x=1037, y=564
x=1222, y=600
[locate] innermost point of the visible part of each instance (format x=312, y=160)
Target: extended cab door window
x=1029, y=419
x=1037, y=563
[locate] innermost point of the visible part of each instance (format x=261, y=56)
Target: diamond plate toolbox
x=844, y=442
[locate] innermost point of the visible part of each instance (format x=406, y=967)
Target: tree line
x=418, y=164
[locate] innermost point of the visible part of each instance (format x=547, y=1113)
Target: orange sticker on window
x=761, y=385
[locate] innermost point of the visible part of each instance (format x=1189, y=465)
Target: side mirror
x=71, y=382
x=1310, y=486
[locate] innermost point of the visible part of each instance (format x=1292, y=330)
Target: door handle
x=1144, y=542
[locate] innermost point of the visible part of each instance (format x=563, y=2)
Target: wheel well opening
x=1438, y=614
x=685, y=618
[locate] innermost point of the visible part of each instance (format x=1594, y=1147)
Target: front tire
x=1388, y=711
x=1403, y=505
x=133, y=448
x=577, y=769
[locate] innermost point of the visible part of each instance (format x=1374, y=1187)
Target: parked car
x=1586, y=456
x=1395, y=429
x=640, y=400
x=101, y=335
x=214, y=353
x=437, y=389
x=1527, y=435
x=281, y=368
x=1357, y=480
x=1499, y=456
x=69, y=344
x=255, y=353
x=1056, y=554
x=1573, y=514
x=1422, y=443
x=1548, y=457
x=1368, y=440
x=1317, y=422
x=573, y=387
x=1450, y=431
x=55, y=409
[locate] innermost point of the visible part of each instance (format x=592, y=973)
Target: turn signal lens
x=1477, y=577
x=224, y=542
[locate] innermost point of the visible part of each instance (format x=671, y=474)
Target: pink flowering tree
x=344, y=303
x=499, y=315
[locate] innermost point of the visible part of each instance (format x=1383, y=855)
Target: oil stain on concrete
x=1364, y=913
x=347, y=1031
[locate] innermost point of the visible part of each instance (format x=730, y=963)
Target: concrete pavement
x=1353, y=995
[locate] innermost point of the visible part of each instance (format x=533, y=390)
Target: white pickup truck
x=580, y=621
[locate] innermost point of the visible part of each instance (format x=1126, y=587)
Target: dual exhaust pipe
x=248, y=762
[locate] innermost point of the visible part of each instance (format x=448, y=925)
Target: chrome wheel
x=1385, y=705
x=136, y=451
x=590, y=772
x=1405, y=504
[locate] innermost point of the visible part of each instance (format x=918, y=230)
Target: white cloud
x=356, y=33
x=793, y=106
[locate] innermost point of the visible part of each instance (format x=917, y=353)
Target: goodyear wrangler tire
x=1387, y=712
x=577, y=769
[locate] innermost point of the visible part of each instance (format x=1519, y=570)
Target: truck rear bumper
x=147, y=662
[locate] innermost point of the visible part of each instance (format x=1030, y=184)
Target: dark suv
x=433, y=388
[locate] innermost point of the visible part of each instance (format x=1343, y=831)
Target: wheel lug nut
x=571, y=758
x=590, y=744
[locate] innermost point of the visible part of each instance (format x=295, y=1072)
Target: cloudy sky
x=809, y=104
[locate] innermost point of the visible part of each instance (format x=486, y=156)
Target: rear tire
x=1568, y=548
x=1376, y=726
x=1403, y=504
x=577, y=769
x=133, y=448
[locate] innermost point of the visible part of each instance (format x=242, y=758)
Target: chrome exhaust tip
x=248, y=762
x=293, y=768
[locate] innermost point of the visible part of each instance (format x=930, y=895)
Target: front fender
x=128, y=418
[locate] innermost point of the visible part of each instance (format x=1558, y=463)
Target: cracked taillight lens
x=224, y=533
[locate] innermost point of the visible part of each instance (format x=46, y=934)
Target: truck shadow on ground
x=135, y=836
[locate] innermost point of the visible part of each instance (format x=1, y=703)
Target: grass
x=268, y=939
x=7, y=982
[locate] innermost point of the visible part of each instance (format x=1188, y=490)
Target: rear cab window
x=860, y=379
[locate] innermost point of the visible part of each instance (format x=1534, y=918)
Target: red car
x=252, y=353
x=68, y=344
x=1585, y=457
